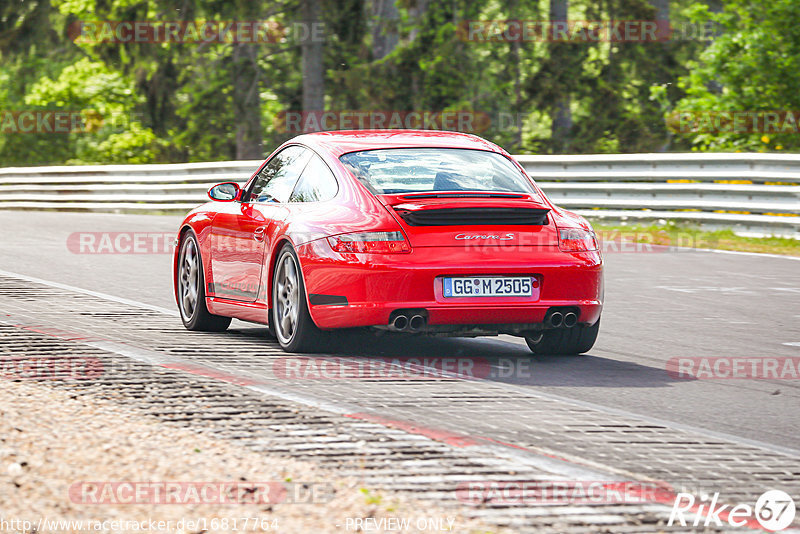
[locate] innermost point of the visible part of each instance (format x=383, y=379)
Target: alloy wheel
x=287, y=298
x=189, y=279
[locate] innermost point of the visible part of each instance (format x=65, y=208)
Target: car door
x=241, y=235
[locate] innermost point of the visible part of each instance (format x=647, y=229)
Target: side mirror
x=225, y=192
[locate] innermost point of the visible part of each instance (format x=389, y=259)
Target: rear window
x=418, y=170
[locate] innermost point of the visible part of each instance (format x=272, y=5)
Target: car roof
x=341, y=142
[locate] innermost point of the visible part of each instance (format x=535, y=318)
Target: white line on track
x=740, y=253
x=624, y=413
x=104, y=296
x=335, y=407
x=573, y=470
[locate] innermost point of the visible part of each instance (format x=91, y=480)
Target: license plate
x=488, y=286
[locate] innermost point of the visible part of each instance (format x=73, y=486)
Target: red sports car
x=424, y=232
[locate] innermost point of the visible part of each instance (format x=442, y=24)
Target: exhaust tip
x=416, y=323
x=400, y=323
x=556, y=319
x=570, y=319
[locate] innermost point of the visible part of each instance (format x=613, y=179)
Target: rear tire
x=576, y=340
x=291, y=320
x=192, y=290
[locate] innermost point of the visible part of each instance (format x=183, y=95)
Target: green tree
x=31, y=46
x=753, y=65
x=114, y=132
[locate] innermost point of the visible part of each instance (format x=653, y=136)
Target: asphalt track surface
x=659, y=305
x=615, y=413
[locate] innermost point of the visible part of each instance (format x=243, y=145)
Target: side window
x=317, y=183
x=277, y=179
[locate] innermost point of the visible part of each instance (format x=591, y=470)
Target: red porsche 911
x=426, y=232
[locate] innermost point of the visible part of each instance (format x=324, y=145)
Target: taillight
x=373, y=242
x=576, y=240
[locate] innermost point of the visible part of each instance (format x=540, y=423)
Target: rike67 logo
x=774, y=510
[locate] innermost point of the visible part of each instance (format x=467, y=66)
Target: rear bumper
x=356, y=290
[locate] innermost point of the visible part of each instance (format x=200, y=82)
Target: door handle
x=258, y=234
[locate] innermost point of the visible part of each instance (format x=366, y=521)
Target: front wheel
x=192, y=291
x=291, y=320
x=576, y=340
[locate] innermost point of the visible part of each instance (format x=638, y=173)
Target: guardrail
x=755, y=193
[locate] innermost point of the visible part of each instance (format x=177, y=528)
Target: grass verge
x=682, y=235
